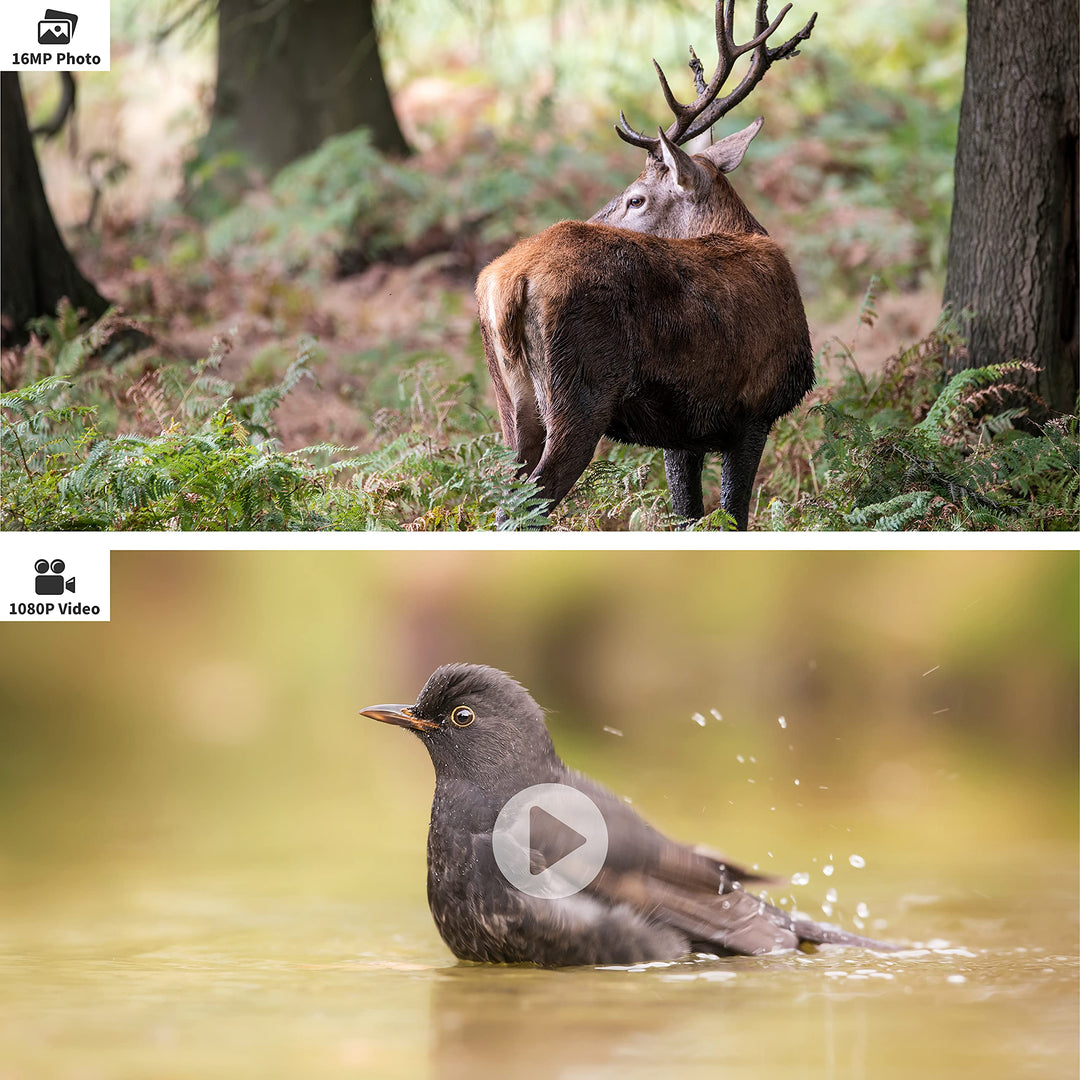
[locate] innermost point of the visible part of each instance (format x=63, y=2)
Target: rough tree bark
x=36, y=269
x=293, y=72
x=1013, y=237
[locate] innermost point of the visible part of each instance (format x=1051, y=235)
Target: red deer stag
x=668, y=319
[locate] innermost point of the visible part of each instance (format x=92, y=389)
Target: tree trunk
x=293, y=72
x=36, y=269
x=1013, y=240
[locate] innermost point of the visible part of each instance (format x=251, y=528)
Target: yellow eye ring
x=462, y=716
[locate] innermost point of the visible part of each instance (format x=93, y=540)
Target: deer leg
x=527, y=436
x=519, y=416
x=568, y=452
x=738, y=469
x=683, y=471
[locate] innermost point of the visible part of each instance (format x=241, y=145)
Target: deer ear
x=727, y=153
x=688, y=175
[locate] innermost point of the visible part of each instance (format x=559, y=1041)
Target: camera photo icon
x=57, y=28
x=50, y=578
x=54, y=32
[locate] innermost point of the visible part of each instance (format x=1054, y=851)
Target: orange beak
x=400, y=715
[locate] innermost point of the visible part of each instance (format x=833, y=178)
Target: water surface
x=165, y=971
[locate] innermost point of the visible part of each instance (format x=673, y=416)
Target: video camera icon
x=57, y=28
x=50, y=578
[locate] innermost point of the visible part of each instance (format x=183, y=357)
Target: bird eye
x=462, y=716
x=635, y=201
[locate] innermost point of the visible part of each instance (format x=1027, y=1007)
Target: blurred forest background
x=215, y=185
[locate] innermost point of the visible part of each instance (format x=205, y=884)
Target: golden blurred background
x=211, y=866
x=216, y=714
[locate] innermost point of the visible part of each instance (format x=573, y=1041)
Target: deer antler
x=700, y=114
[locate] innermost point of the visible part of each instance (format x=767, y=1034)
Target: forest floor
x=407, y=310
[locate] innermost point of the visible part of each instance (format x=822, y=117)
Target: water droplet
x=716, y=715
x=781, y=721
x=698, y=719
x=740, y=759
x=800, y=878
x=796, y=783
x=831, y=896
x=862, y=910
x=859, y=924
x=826, y=910
x=828, y=870
x=753, y=759
x=857, y=861
x=613, y=731
x=955, y=978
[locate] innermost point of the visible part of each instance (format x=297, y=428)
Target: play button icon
x=561, y=839
x=550, y=840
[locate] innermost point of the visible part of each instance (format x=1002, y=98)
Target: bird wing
x=694, y=890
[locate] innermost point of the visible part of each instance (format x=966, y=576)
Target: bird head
x=478, y=725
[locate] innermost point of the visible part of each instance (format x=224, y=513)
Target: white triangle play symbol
x=558, y=839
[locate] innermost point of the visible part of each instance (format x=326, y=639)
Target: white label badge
x=54, y=577
x=37, y=37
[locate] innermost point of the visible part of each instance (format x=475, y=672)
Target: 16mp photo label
x=40, y=38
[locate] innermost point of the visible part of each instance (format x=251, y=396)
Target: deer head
x=681, y=196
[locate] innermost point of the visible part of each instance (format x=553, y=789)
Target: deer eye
x=635, y=201
x=462, y=716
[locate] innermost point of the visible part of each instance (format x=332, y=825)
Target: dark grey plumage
x=654, y=899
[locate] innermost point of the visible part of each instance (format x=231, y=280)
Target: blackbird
x=652, y=898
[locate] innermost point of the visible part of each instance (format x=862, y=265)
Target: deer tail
x=502, y=307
